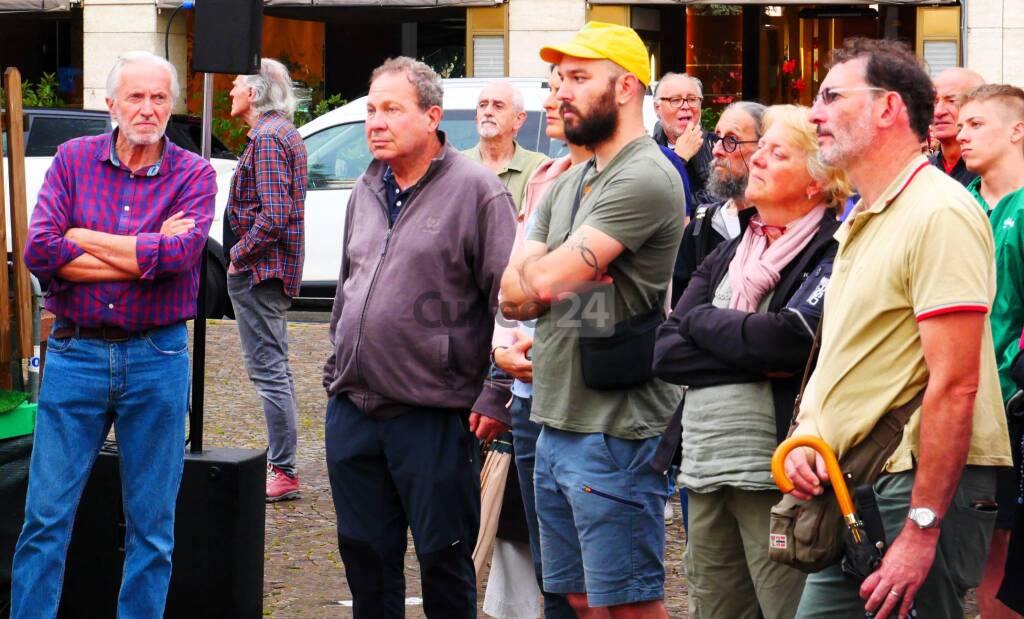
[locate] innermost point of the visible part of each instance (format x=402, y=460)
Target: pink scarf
x=755, y=268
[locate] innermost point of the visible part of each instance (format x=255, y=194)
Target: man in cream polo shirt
x=912, y=285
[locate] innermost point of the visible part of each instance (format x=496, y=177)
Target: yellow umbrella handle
x=835, y=474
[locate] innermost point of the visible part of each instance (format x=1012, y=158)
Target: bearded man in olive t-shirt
x=600, y=506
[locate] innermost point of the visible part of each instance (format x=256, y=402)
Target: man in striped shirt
x=116, y=238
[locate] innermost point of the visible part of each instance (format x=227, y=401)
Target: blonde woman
x=739, y=338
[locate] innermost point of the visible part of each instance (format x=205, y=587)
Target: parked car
x=338, y=155
x=48, y=128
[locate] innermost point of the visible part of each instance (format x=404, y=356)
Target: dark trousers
x=420, y=470
x=524, y=438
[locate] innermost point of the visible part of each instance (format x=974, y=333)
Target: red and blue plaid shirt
x=266, y=205
x=87, y=187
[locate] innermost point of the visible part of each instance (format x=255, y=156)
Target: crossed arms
x=112, y=257
x=535, y=277
x=59, y=251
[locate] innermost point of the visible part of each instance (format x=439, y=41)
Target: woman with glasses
x=739, y=339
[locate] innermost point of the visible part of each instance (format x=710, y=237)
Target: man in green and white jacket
x=992, y=143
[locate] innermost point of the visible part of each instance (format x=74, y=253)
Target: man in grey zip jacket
x=427, y=236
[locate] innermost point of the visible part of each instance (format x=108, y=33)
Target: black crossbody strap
x=579, y=197
x=812, y=358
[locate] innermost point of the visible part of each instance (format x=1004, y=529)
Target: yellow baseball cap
x=600, y=40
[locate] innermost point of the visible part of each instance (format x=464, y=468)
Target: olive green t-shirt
x=517, y=172
x=638, y=200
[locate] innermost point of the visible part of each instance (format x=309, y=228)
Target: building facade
x=771, y=52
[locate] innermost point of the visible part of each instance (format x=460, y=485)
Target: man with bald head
x=950, y=87
x=500, y=114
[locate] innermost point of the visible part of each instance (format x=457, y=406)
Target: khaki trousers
x=729, y=573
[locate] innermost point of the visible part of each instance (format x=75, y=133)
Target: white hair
x=272, y=89
x=114, y=77
x=695, y=81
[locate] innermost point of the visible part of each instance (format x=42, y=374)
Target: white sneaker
x=670, y=514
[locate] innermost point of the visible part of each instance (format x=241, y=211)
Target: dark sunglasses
x=730, y=143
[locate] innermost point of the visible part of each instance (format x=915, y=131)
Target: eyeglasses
x=730, y=143
x=677, y=102
x=829, y=95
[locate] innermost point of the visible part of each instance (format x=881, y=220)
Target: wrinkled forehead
x=393, y=87
x=952, y=85
x=736, y=122
x=496, y=93
x=849, y=74
x=677, y=86
x=144, y=76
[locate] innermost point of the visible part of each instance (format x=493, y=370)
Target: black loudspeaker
x=15, y=454
x=228, y=36
x=218, y=540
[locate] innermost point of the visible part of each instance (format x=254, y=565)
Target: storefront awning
x=33, y=6
x=383, y=4
x=776, y=2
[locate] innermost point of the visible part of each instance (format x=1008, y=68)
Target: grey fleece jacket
x=414, y=309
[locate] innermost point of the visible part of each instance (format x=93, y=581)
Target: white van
x=338, y=155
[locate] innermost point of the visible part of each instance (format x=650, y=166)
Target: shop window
x=714, y=51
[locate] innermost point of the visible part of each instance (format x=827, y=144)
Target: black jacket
x=698, y=168
x=959, y=172
x=701, y=345
x=699, y=239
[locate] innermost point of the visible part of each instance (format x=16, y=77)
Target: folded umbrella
x=492, y=491
x=865, y=533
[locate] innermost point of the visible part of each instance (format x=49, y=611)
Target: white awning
x=383, y=4
x=33, y=6
x=777, y=2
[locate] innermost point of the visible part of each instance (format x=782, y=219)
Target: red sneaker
x=280, y=485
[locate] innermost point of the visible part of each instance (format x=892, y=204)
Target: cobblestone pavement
x=303, y=574
x=304, y=577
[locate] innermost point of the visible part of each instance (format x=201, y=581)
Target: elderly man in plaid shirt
x=263, y=235
x=116, y=237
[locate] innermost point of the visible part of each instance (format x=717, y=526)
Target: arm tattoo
x=587, y=255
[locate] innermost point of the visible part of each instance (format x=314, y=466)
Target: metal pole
x=195, y=417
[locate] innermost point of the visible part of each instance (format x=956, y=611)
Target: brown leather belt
x=107, y=334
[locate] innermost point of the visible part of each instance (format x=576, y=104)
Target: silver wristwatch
x=923, y=517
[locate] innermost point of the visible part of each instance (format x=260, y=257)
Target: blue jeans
x=601, y=509
x=524, y=439
x=141, y=387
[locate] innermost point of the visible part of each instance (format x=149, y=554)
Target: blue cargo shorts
x=601, y=512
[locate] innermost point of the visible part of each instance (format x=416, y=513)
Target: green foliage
x=41, y=94
x=324, y=105
x=232, y=131
x=447, y=61
x=717, y=10
x=709, y=117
